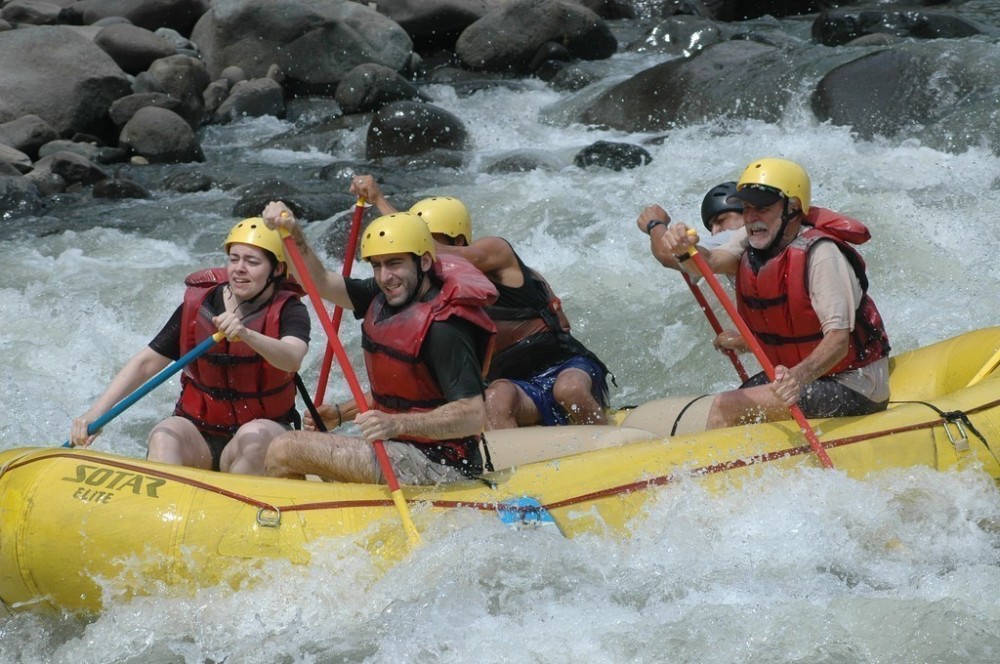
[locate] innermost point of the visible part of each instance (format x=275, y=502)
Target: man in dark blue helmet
x=721, y=218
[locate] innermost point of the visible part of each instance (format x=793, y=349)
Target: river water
x=809, y=566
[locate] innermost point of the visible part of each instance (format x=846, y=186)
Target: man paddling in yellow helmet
x=427, y=340
x=540, y=373
x=802, y=288
x=241, y=393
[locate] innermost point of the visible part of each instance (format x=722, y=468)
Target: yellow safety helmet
x=446, y=215
x=763, y=179
x=254, y=231
x=400, y=232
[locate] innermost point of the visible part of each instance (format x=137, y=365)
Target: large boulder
x=132, y=47
x=182, y=77
x=61, y=77
x=27, y=133
x=901, y=91
x=509, y=38
x=840, y=26
x=161, y=137
x=371, y=86
x=179, y=15
x=314, y=42
x=713, y=83
x=412, y=128
x=436, y=24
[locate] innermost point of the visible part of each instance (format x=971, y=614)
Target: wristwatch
x=652, y=224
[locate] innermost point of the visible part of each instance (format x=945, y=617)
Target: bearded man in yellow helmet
x=427, y=342
x=540, y=374
x=240, y=394
x=802, y=288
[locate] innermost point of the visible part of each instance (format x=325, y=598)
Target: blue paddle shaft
x=152, y=383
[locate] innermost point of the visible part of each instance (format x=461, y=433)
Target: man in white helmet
x=540, y=373
x=802, y=288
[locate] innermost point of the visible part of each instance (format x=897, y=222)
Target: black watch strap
x=652, y=224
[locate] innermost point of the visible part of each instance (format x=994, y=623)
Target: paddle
x=758, y=351
x=338, y=311
x=152, y=383
x=713, y=320
x=352, y=380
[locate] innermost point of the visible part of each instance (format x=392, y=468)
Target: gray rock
x=371, y=86
x=184, y=78
x=411, y=128
x=15, y=159
x=123, y=109
x=132, y=47
x=179, y=15
x=71, y=167
x=27, y=133
x=616, y=156
x=254, y=98
x=508, y=39
x=30, y=12
x=18, y=196
x=161, y=136
x=81, y=80
x=315, y=42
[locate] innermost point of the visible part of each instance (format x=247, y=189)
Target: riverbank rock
x=80, y=80
x=413, y=128
x=315, y=42
x=371, y=86
x=161, y=137
x=133, y=48
x=509, y=38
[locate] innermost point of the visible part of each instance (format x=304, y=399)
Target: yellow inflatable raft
x=70, y=519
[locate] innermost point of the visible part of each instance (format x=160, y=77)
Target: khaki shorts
x=413, y=467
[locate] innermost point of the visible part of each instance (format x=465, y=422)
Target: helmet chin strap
x=270, y=280
x=760, y=256
x=420, y=282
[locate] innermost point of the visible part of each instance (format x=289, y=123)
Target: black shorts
x=825, y=397
x=216, y=443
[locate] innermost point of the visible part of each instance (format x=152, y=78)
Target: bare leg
x=747, y=406
x=572, y=390
x=176, y=440
x=294, y=454
x=508, y=407
x=246, y=451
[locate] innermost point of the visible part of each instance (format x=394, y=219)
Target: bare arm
x=365, y=186
x=141, y=367
x=649, y=215
x=285, y=353
x=491, y=255
x=788, y=383
x=456, y=419
x=329, y=284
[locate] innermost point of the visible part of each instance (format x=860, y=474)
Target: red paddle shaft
x=716, y=326
x=338, y=311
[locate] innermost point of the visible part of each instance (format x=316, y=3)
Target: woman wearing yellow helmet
x=238, y=396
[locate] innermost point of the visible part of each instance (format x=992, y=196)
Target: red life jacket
x=400, y=381
x=775, y=302
x=231, y=384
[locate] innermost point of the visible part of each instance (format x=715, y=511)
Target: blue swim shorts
x=539, y=388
